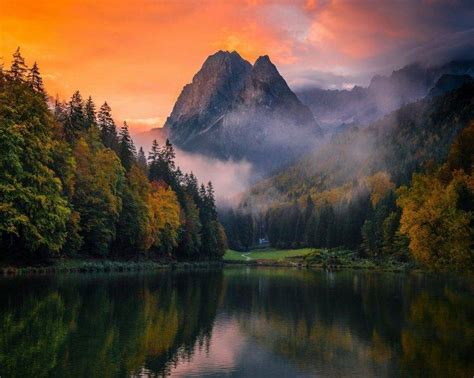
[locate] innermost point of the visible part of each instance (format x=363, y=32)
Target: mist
x=229, y=178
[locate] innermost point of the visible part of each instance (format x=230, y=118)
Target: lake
x=242, y=321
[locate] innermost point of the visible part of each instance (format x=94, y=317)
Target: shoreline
x=117, y=266
x=72, y=266
x=104, y=266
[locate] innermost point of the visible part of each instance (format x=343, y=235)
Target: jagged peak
x=264, y=69
x=224, y=55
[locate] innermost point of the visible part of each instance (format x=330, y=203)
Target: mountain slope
x=398, y=144
x=233, y=110
x=384, y=94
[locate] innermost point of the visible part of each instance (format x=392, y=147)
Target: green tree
x=33, y=209
x=133, y=229
x=90, y=116
x=18, y=69
x=126, y=148
x=97, y=195
x=141, y=160
x=75, y=120
x=35, y=80
x=108, y=130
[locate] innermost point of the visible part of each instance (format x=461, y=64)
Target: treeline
x=73, y=184
x=431, y=220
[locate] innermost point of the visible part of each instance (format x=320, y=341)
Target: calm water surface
x=236, y=322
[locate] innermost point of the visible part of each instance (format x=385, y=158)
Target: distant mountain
x=233, y=110
x=384, y=94
x=398, y=144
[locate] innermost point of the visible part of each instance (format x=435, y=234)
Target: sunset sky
x=139, y=54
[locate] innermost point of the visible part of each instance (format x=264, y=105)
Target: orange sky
x=139, y=54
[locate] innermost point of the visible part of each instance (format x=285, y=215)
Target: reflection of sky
x=231, y=352
x=235, y=350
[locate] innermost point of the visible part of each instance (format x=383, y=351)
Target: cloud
x=229, y=178
x=141, y=66
x=143, y=124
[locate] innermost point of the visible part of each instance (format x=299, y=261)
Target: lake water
x=236, y=322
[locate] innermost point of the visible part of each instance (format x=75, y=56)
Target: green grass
x=266, y=254
x=317, y=258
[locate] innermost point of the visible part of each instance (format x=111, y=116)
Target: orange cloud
x=138, y=55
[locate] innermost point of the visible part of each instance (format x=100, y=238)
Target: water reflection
x=242, y=322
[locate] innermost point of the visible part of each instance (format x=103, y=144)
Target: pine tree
x=90, y=114
x=18, y=68
x=35, y=80
x=59, y=111
x=127, y=152
x=141, y=160
x=75, y=117
x=108, y=130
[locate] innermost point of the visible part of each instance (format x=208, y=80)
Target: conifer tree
x=18, y=68
x=141, y=160
x=108, y=130
x=59, y=111
x=127, y=152
x=75, y=117
x=35, y=80
x=90, y=114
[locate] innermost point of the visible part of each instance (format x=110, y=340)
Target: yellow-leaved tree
x=438, y=210
x=164, y=218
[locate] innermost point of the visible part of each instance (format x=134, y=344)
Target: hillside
x=399, y=144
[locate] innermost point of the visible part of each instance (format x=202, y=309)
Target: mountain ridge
x=363, y=105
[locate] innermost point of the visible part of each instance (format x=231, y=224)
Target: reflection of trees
x=341, y=321
x=438, y=340
x=105, y=326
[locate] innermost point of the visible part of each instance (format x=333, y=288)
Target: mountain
x=238, y=111
x=398, y=145
x=384, y=94
x=448, y=83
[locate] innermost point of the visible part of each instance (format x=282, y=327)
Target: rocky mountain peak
x=233, y=110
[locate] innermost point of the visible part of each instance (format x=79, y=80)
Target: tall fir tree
x=18, y=69
x=75, y=117
x=108, y=130
x=90, y=116
x=141, y=160
x=35, y=80
x=126, y=148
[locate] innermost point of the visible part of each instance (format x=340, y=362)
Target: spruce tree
x=90, y=114
x=127, y=152
x=59, y=111
x=18, y=68
x=108, y=130
x=35, y=80
x=75, y=117
x=141, y=160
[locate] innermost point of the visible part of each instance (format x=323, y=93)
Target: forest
x=73, y=185
x=399, y=189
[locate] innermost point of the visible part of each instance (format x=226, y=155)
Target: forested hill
x=72, y=184
x=401, y=188
x=398, y=144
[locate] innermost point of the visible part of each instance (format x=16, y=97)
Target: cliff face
x=233, y=110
